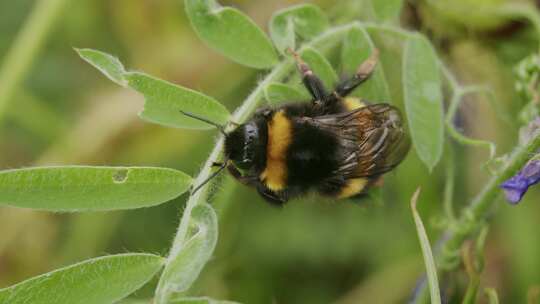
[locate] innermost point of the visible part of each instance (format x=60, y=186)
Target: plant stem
x=458, y=95
x=20, y=56
x=449, y=185
x=326, y=40
x=472, y=216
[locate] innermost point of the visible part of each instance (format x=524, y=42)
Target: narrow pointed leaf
x=277, y=93
x=320, y=66
x=164, y=102
x=230, y=32
x=423, y=99
x=109, y=65
x=79, y=188
x=189, y=259
x=97, y=281
x=305, y=20
x=429, y=262
x=357, y=47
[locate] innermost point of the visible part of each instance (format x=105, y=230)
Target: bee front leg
x=244, y=179
x=364, y=71
x=270, y=196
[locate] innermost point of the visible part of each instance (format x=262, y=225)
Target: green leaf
x=230, y=32
x=81, y=188
x=181, y=299
x=357, y=47
x=387, y=9
x=277, y=93
x=423, y=99
x=305, y=20
x=192, y=255
x=135, y=301
x=320, y=66
x=164, y=101
x=429, y=262
x=391, y=53
x=109, y=65
x=97, y=281
x=200, y=300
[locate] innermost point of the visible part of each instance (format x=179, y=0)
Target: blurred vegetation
x=311, y=251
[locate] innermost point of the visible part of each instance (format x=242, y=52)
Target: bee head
x=246, y=145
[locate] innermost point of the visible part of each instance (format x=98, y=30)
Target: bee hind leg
x=364, y=71
x=312, y=83
x=273, y=198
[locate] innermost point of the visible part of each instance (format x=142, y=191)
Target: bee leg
x=312, y=83
x=359, y=198
x=273, y=198
x=244, y=179
x=362, y=74
x=379, y=182
x=270, y=196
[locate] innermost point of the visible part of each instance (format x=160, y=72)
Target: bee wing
x=373, y=138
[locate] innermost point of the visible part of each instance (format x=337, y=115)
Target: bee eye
x=251, y=134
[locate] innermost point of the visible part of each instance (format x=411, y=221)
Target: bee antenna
x=209, y=178
x=221, y=128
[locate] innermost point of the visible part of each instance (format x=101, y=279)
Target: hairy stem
x=326, y=40
x=19, y=58
x=473, y=215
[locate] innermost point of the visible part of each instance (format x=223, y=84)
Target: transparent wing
x=373, y=139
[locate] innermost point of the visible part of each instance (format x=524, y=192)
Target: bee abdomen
x=352, y=187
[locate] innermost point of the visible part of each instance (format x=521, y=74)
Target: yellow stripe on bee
x=354, y=186
x=279, y=139
x=353, y=103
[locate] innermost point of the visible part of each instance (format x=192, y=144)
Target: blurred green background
x=312, y=251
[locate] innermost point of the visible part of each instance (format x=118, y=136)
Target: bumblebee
x=335, y=145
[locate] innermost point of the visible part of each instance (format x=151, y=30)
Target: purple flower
x=515, y=187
